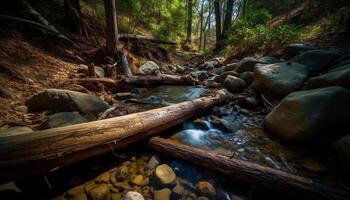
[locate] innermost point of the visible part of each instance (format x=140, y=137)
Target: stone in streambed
x=248, y=77
x=269, y=59
x=101, y=192
x=132, y=195
x=152, y=163
x=138, y=180
x=122, y=173
x=62, y=119
x=234, y=84
x=149, y=68
x=165, y=175
x=308, y=114
x=248, y=64
x=295, y=49
x=163, y=194
x=334, y=78
x=221, y=78
x=206, y=188
x=280, y=78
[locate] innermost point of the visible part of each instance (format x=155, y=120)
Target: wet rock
x=59, y=100
x=333, y=78
x=101, y=192
x=206, y=188
x=248, y=77
x=89, y=186
x=280, y=78
x=6, y=94
x=149, y=68
x=251, y=102
x=269, y=59
x=17, y=130
x=84, y=69
x=316, y=60
x=122, y=173
x=132, y=195
x=62, y=119
x=163, y=194
x=247, y=64
x=230, y=67
x=153, y=163
x=138, y=180
x=221, y=78
x=104, y=178
x=295, y=49
x=165, y=175
x=234, y=84
x=212, y=84
x=342, y=149
x=298, y=117
x=200, y=75
x=177, y=191
x=116, y=196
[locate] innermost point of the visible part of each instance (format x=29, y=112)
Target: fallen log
x=42, y=151
x=133, y=37
x=264, y=177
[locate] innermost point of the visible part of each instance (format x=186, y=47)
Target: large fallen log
x=49, y=149
x=138, y=81
x=264, y=177
x=133, y=37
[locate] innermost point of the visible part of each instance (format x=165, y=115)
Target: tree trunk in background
x=111, y=23
x=189, y=22
x=74, y=17
x=244, y=7
x=207, y=23
x=218, y=23
x=201, y=27
x=228, y=17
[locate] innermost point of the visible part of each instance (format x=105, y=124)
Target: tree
x=111, y=23
x=228, y=17
x=217, y=8
x=189, y=22
x=201, y=26
x=74, y=16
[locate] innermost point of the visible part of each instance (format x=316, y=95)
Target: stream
x=225, y=130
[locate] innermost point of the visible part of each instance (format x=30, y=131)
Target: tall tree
x=228, y=17
x=217, y=8
x=74, y=17
x=189, y=21
x=201, y=26
x=112, y=29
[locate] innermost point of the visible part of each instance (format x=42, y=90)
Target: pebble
x=152, y=163
x=206, y=188
x=122, y=173
x=137, y=180
x=165, y=174
x=163, y=194
x=132, y=195
x=100, y=192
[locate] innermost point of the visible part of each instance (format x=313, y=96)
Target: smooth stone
x=316, y=60
x=132, y=195
x=248, y=77
x=280, y=78
x=17, y=130
x=58, y=100
x=206, y=188
x=221, y=78
x=138, y=180
x=178, y=191
x=165, y=174
x=230, y=67
x=305, y=115
x=101, y=192
x=234, y=84
x=269, y=59
x=163, y=194
x=153, y=163
x=149, y=68
x=104, y=178
x=62, y=119
x=116, y=196
x=247, y=64
x=295, y=49
x=333, y=78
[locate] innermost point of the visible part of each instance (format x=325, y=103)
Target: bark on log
x=45, y=150
x=264, y=177
x=133, y=37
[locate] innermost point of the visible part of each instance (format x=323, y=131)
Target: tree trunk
x=42, y=151
x=201, y=26
x=218, y=23
x=74, y=17
x=111, y=23
x=207, y=23
x=285, y=184
x=228, y=17
x=189, y=22
x=138, y=38
x=124, y=64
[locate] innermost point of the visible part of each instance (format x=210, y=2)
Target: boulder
x=341, y=66
x=280, y=78
x=165, y=175
x=206, y=188
x=305, y=115
x=62, y=119
x=342, y=150
x=221, y=78
x=58, y=100
x=269, y=59
x=132, y=195
x=17, y=130
x=234, y=84
x=149, y=68
x=316, y=60
x=230, y=67
x=84, y=69
x=100, y=192
x=295, y=49
x=333, y=78
x=163, y=194
x=248, y=64
x=248, y=77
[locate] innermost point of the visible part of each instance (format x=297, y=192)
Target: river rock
x=336, y=77
x=149, y=68
x=234, y=84
x=206, y=188
x=152, y=163
x=165, y=175
x=316, y=60
x=101, y=192
x=200, y=75
x=221, y=78
x=84, y=69
x=76, y=191
x=132, y=195
x=122, y=173
x=230, y=67
x=295, y=49
x=342, y=149
x=280, y=78
x=177, y=191
x=269, y=59
x=59, y=100
x=138, y=180
x=247, y=64
x=163, y=194
x=308, y=114
x=62, y=119
x=248, y=77
x=17, y=130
